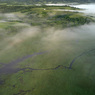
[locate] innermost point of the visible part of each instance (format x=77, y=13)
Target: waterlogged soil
x=49, y=77
x=10, y=67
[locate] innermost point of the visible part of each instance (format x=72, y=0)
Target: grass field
x=40, y=58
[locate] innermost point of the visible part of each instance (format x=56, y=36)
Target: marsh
x=40, y=54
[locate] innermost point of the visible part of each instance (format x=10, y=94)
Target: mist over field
x=80, y=38
x=52, y=37
x=45, y=51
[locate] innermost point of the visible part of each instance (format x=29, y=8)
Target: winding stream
x=9, y=68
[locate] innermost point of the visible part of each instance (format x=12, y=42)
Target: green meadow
x=45, y=50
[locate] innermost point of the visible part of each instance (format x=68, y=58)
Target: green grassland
x=43, y=32
x=48, y=15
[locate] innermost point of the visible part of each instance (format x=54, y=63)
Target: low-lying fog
x=88, y=8
x=8, y=17
x=76, y=38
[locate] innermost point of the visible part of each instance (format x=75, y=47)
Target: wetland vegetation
x=46, y=50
